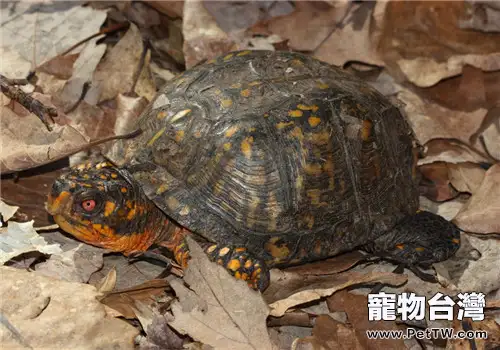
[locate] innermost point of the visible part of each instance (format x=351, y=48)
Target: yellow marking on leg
x=233, y=265
x=224, y=251
x=211, y=248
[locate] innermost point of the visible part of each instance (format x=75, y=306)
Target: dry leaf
x=431, y=121
x=18, y=238
x=352, y=41
x=203, y=38
x=447, y=210
x=355, y=306
x=291, y=289
x=466, y=177
x=439, y=188
x=124, y=300
x=6, y=211
x=481, y=15
x=161, y=336
x=482, y=213
x=450, y=151
x=172, y=8
x=333, y=265
x=320, y=18
x=423, y=39
x=329, y=334
x=116, y=72
x=217, y=309
x=58, y=315
x=35, y=33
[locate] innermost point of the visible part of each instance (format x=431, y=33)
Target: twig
x=31, y=104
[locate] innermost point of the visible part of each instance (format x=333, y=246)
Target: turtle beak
x=59, y=198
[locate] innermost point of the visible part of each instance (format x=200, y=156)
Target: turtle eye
x=88, y=205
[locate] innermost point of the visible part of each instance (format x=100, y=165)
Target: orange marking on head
x=109, y=207
x=400, y=246
x=54, y=204
x=123, y=190
x=131, y=214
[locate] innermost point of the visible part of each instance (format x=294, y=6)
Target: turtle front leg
x=240, y=263
x=237, y=260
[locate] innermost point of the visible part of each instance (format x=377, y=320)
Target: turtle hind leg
x=240, y=264
x=421, y=239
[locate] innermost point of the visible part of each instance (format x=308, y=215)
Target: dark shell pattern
x=277, y=152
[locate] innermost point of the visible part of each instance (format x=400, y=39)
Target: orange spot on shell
x=230, y=132
x=297, y=113
x=245, y=93
x=246, y=146
x=314, y=121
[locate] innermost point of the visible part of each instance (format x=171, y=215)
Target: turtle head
x=102, y=205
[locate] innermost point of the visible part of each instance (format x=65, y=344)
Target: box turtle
x=267, y=159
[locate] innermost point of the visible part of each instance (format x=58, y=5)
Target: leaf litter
x=442, y=60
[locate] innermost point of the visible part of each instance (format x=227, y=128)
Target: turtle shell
x=277, y=152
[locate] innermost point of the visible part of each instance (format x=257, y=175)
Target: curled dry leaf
x=57, y=314
x=450, y=151
x=115, y=74
x=488, y=324
x=353, y=40
x=423, y=39
x=431, y=121
x=333, y=265
x=289, y=289
x=466, y=177
x=436, y=184
x=217, y=309
x=18, y=238
x=123, y=300
x=203, y=38
x=481, y=213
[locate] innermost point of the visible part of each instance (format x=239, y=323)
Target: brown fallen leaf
x=329, y=334
x=355, y=306
x=115, y=73
x=451, y=151
x=333, y=265
x=203, y=38
x=352, y=41
x=124, y=300
x=466, y=177
x=436, y=183
x=291, y=289
x=488, y=324
x=56, y=314
x=25, y=141
x=321, y=20
x=217, y=309
x=423, y=39
x=431, y=121
x=481, y=213
x=172, y=8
